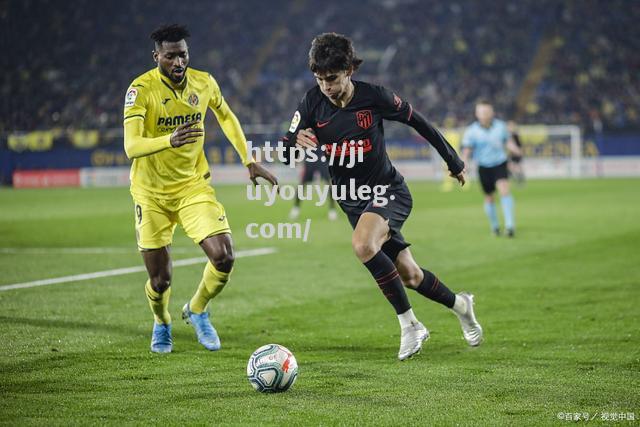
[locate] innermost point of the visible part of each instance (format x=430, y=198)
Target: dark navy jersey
x=357, y=131
x=357, y=126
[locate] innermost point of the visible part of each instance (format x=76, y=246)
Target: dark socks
x=388, y=278
x=432, y=288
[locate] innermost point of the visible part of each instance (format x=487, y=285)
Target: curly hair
x=332, y=52
x=169, y=33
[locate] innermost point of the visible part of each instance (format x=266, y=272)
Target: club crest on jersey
x=131, y=96
x=193, y=100
x=295, y=122
x=364, y=119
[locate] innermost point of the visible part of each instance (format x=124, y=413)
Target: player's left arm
x=439, y=142
x=233, y=131
x=394, y=108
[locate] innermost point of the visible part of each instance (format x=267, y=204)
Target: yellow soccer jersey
x=158, y=106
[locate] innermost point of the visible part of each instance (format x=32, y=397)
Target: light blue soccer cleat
x=161, y=341
x=206, y=333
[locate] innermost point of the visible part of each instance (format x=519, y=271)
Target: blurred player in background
x=515, y=160
x=488, y=139
x=164, y=113
x=311, y=169
x=340, y=110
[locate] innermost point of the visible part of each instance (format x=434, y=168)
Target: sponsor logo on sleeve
x=397, y=101
x=131, y=96
x=295, y=122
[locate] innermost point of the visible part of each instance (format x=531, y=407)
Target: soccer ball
x=272, y=368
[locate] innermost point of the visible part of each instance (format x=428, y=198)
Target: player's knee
x=161, y=282
x=224, y=262
x=364, y=249
x=503, y=187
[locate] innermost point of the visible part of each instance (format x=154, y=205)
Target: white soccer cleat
x=411, y=340
x=471, y=329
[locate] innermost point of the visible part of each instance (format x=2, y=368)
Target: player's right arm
x=300, y=132
x=135, y=111
x=135, y=145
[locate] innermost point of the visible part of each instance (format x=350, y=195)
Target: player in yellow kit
x=164, y=113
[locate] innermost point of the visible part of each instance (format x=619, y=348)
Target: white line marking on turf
x=127, y=270
x=87, y=250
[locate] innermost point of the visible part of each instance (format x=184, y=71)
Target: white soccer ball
x=272, y=368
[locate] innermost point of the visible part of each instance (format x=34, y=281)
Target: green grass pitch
x=559, y=305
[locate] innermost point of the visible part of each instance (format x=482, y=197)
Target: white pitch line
x=86, y=251
x=127, y=270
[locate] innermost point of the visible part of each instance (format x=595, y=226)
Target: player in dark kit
x=310, y=170
x=515, y=160
x=345, y=116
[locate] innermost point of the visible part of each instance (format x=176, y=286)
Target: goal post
x=552, y=150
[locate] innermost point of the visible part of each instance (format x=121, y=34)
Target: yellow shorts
x=199, y=214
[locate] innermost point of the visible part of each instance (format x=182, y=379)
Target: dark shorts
x=489, y=176
x=311, y=168
x=396, y=211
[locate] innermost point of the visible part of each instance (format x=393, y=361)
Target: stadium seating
x=71, y=70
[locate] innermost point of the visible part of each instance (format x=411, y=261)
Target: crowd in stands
x=594, y=77
x=68, y=64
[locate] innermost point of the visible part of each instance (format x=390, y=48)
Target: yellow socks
x=212, y=283
x=159, y=303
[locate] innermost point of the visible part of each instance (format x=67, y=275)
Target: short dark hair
x=169, y=33
x=332, y=52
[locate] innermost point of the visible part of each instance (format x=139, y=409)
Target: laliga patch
x=397, y=101
x=130, y=98
x=295, y=122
